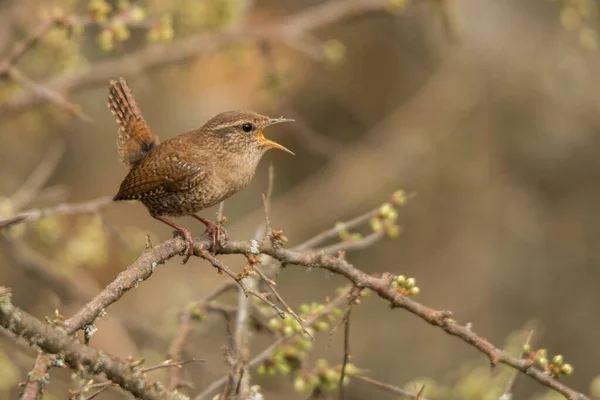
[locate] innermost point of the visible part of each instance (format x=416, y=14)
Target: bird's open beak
x=270, y=143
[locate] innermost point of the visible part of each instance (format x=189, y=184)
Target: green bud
x=410, y=282
x=400, y=279
x=376, y=224
x=542, y=353
x=557, y=360
x=385, y=210
x=288, y=331
x=274, y=323
x=355, y=237
x=106, y=40
x=351, y=369
x=393, y=231
x=335, y=51
x=543, y=362
x=321, y=326
x=322, y=363
x=304, y=308
x=300, y=384
x=121, y=32
x=332, y=375
x=413, y=291
x=527, y=348
x=336, y=312
x=137, y=13
x=566, y=369
x=314, y=380
x=261, y=369
x=283, y=368
x=399, y=197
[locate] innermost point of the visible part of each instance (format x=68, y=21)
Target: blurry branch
x=39, y=177
x=291, y=30
x=92, y=206
x=76, y=355
x=8, y=69
x=390, y=388
x=184, y=327
x=20, y=48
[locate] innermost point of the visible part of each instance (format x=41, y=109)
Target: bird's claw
x=189, y=245
x=218, y=234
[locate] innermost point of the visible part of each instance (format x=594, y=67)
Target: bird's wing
x=159, y=177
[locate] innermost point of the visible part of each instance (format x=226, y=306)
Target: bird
x=191, y=171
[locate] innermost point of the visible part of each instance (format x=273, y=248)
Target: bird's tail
x=135, y=139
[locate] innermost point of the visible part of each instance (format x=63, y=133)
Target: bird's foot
x=218, y=235
x=189, y=240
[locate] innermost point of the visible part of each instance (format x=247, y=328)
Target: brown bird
x=191, y=171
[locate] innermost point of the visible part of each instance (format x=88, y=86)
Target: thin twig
x=390, y=388
x=266, y=353
x=345, y=245
x=346, y=351
x=289, y=309
x=336, y=230
x=513, y=377
x=176, y=347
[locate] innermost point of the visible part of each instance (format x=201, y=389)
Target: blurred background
x=488, y=111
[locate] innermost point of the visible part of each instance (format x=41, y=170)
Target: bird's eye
x=247, y=127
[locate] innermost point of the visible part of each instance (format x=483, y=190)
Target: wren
x=189, y=172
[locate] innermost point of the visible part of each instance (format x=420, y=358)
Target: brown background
x=497, y=135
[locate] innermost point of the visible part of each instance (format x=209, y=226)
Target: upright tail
x=135, y=139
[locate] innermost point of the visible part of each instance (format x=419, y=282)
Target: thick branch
x=77, y=355
x=143, y=267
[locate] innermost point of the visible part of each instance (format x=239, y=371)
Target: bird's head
x=242, y=132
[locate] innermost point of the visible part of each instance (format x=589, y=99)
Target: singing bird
x=191, y=171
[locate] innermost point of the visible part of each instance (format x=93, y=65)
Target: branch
x=389, y=388
x=143, y=267
x=92, y=206
x=266, y=353
x=290, y=30
x=76, y=355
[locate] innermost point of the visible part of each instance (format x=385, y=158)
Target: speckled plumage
x=192, y=171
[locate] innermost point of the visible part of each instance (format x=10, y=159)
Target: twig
x=50, y=95
x=267, y=220
x=346, y=351
x=142, y=268
x=23, y=46
x=390, y=388
x=294, y=26
x=38, y=178
x=362, y=243
x=266, y=353
x=281, y=300
x=106, y=384
x=513, y=377
x=336, y=230
x=92, y=206
x=176, y=347
x=74, y=354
